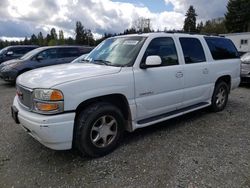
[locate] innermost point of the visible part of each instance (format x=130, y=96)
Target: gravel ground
x=201, y=149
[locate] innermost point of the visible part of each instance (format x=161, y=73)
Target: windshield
x=120, y=51
x=3, y=51
x=246, y=58
x=31, y=53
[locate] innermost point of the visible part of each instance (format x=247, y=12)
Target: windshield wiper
x=84, y=60
x=102, y=62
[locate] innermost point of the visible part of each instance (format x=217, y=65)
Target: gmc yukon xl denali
x=125, y=83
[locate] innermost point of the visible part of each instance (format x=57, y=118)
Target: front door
x=158, y=90
x=48, y=57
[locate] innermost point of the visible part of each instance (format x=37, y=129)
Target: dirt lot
x=201, y=149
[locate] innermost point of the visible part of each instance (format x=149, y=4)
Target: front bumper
x=53, y=131
x=9, y=76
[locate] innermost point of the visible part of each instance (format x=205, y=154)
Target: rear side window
x=85, y=50
x=68, y=52
x=192, y=50
x=29, y=49
x=165, y=48
x=221, y=48
x=18, y=51
x=21, y=50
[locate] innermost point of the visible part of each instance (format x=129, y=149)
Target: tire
x=99, y=129
x=220, y=97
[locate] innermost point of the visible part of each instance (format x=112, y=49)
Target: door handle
x=179, y=75
x=205, y=71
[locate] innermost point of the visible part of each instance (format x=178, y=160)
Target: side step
x=163, y=116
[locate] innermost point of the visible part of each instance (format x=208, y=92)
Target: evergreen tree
x=26, y=41
x=238, y=16
x=80, y=33
x=190, y=20
x=33, y=39
x=69, y=41
x=214, y=26
x=199, y=27
x=46, y=40
x=61, y=37
x=40, y=39
x=53, y=34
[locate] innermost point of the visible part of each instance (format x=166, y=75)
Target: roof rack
x=192, y=33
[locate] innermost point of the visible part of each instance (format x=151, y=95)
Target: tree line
x=83, y=36
x=236, y=19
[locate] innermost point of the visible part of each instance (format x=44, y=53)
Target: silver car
x=245, y=68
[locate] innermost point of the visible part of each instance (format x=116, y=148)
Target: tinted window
x=28, y=49
x=17, y=51
x=85, y=50
x=68, y=52
x=21, y=50
x=192, y=50
x=165, y=48
x=49, y=54
x=221, y=48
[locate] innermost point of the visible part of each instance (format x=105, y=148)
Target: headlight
x=48, y=101
x=6, y=68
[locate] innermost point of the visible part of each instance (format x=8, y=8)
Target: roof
x=155, y=34
x=22, y=46
x=64, y=46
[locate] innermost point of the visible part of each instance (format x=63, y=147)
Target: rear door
x=158, y=90
x=197, y=75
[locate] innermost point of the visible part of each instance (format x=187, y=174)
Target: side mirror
x=152, y=61
x=39, y=58
x=9, y=53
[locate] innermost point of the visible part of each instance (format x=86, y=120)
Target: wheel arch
x=119, y=100
x=225, y=78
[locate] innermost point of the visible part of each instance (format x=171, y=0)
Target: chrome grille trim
x=25, y=97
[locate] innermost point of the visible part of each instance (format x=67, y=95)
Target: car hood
x=53, y=75
x=10, y=63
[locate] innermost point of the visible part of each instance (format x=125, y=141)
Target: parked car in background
x=13, y=52
x=245, y=68
x=129, y=82
x=80, y=59
x=40, y=57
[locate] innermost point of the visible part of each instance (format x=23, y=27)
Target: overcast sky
x=20, y=18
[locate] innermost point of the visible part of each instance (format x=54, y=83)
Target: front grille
x=24, y=96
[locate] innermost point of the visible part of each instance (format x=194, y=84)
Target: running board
x=173, y=113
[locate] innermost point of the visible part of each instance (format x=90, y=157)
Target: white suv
x=125, y=83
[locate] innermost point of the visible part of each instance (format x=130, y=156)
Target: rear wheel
x=99, y=129
x=220, y=96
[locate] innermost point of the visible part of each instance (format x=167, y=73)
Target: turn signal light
x=47, y=106
x=56, y=95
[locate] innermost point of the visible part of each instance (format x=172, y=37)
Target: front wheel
x=99, y=129
x=220, y=97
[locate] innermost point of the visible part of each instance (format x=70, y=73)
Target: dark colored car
x=40, y=57
x=14, y=52
x=245, y=68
